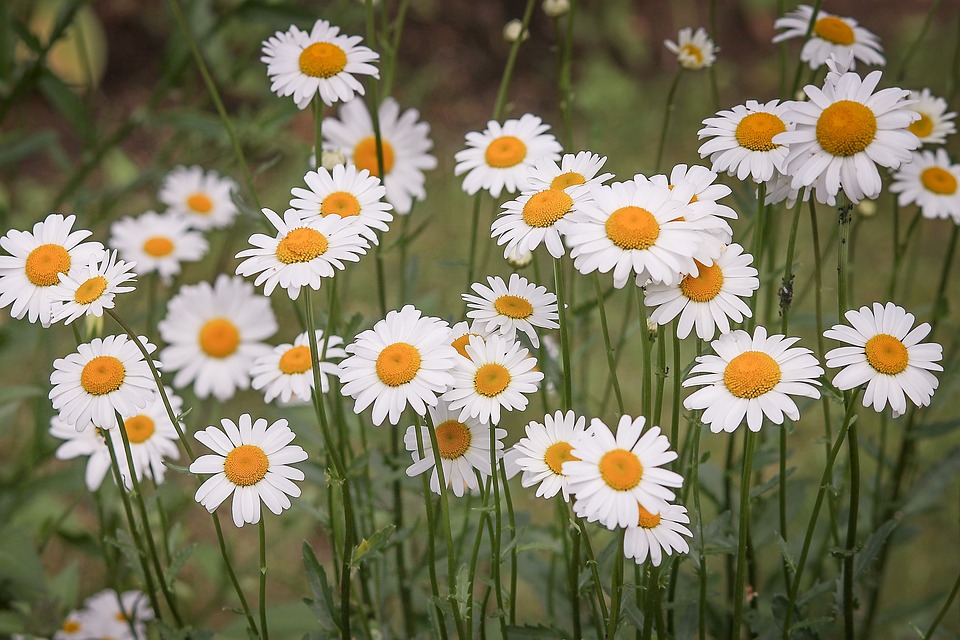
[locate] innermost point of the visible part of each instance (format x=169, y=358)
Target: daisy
x=204, y=199
x=535, y=218
x=614, y=476
x=752, y=377
x=697, y=186
x=887, y=356
x=214, y=334
x=355, y=196
x=693, y=50
x=89, y=289
x=580, y=169
x=708, y=300
x=36, y=263
x=103, y=377
x=108, y=614
x=844, y=132
x=501, y=156
x=302, y=253
x=405, y=359
x=157, y=242
x=934, y=124
x=252, y=461
x=930, y=181
x=547, y=445
x=460, y=335
x=463, y=445
x=319, y=62
x=506, y=308
x=73, y=627
x=657, y=533
x=742, y=140
x=497, y=374
x=831, y=35
x=405, y=142
x=287, y=371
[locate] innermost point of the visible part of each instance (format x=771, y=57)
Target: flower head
x=544, y=449
x=831, y=35
x=353, y=195
x=934, y=124
x=930, y=180
x=741, y=140
x=202, y=198
x=287, y=371
x=156, y=242
x=656, y=534
x=89, y=289
x=693, y=50
x=521, y=305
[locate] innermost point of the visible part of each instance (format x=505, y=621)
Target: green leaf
x=322, y=603
x=176, y=563
x=19, y=563
x=371, y=547
x=787, y=556
x=872, y=546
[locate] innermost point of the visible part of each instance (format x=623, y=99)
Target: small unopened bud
x=519, y=260
x=652, y=329
x=330, y=159
x=556, y=8
x=867, y=208
x=513, y=31
x=93, y=325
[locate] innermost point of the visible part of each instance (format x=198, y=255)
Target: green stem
x=759, y=231
x=666, y=118
x=661, y=375
x=854, y=449
x=943, y=610
x=645, y=355
x=806, y=36
x=594, y=565
x=616, y=588
x=564, y=84
x=496, y=559
x=251, y=624
x=611, y=362
x=474, y=556
x=786, y=284
x=474, y=233
x=572, y=560
x=564, y=336
x=902, y=69
x=318, y=108
x=702, y=568
x=511, y=62
x=743, y=530
x=512, y=521
x=263, y=580
x=431, y=545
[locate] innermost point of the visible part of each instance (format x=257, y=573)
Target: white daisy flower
x=657, y=533
x=831, y=35
x=708, y=300
x=464, y=447
x=157, y=242
x=506, y=308
x=405, y=142
x=345, y=192
x=696, y=185
x=251, y=461
x=89, y=289
x=887, y=356
x=497, y=374
x=74, y=627
x=501, y=156
x=202, y=198
x=111, y=614
x=103, y=377
x=535, y=218
x=319, y=62
x=547, y=445
x=844, y=132
x=930, y=181
x=460, y=335
x=36, y=263
x=287, y=371
x=582, y=168
x=742, y=140
x=693, y=50
x=303, y=253
x=614, y=476
x=405, y=359
x=214, y=335
x=752, y=377
x=934, y=124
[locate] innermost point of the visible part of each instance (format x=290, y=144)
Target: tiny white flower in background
x=657, y=533
x=330, y=159
x=556, y=8
x=741, y=141
x=693, y=50
x=521, y=305
x=156, y=242
x=513, y=31
x=202, y=198
x=831, y=35
x=934, y=124
x=287, y=372
x=930, y=180
x=109, y=615
x=89, y=289
x=544, y=449
x=353, y=195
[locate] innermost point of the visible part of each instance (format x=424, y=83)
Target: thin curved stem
x=671, y=94
x=251, y=624
x=739, y=588
x=854, y=449
x=611, y=362
x=564, y=336
x=616, y=588
x=263, y=580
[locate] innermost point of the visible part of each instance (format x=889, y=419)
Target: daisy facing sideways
x=203, y=199
x=287, y=371
x=656, y=534
x=156, y=242
x=741, y=140
x=830, y=35
x=930, y=181
x=934, y=124
x=345, y=192
x=540, y=454
x=91, y=288
x=582, y=168
x=506, y=308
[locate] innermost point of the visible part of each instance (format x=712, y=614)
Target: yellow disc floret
x=365, y=155
x=301, y=245
x=102, y=375
x=219, y=338
x=632, y=228
x=621, y=469
x=939, y=181
x=246, y=465
x=491, y=379
x=139, y=428
x=704, y=287
x=322, y=60
x=398, y=364
x=647, y=520
x=846, y=128
x=833, y=29
x=46, y=263
x=886, y=354
x=453, y=439
x=513, y=307
x=567, y=179
x=751, y=374
x=558, y=453
x=922, y=127
x=756, y=131
x=505, y=152
x=200, y=203
x=296, y=360
x=544, y=209
x=90, y=290
x=158, y=246
x=341, y=203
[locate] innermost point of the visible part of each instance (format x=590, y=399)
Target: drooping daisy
x=752, y=377
x=501, y=156
x=844, y=132
x=89, y=289
x=537, y=217
x=214, y=335
x=112, y=614
x=463, y=445
x=405, y=359
x=742, y=140
x=36, y=263
x=156, y=242
x=202, y=198
x=693, y=50
x=252, y=461
x=287, y=371
x=582, y=168
x=830, y=35
x=405, y=142
x=886, y=355
x=708, y=300
x=497, y=374
x=613, y=476
x=547, y=445
x=657, y=533
x=302, y=253
x=104, y=376
x=355, y=196
x=930, y=181
x=506, y=308
x=319, y=62
x=934, y=124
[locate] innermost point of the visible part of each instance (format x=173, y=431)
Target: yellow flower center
x=567, y=179
x=365, y=155
x=322, y=60
x=102, y=375
x=545, y=208
x=505, y=151
x=296, y=360
x=158, y=246
x=301, y=245
x=200, y=202
x=558, y=453
x=397, y=364
x=886, y=354
x=453, y=439
x=341, y=203
x=139, y=428
x=835, y=30
x=751, y=374
x=846, y=128
x=513, y=307
x=246, y=465
x=704, y=287
x=621, y=469
x=692, y=51
x=922, y=127
x=756, y=131
x=632, y=228
x=219, y=338
x=46, y=263
x=491, y=379
x=647, y=520
x=939, y=181
x=460, y=344
x=71, y=626
x=90, y=290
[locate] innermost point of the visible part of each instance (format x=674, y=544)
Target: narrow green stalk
x=743, y=531
x=512, y=521
x=902, y=69
x=318, y=107
x=616, y=588
x=511, y=62
x=431, y=545
x=564, y=83
x=496, y=560
x=647, y=394
x=263, y=580
x=702, y=568
x=795, y=86
x=649, y=608
x=943, y=610
x=671, y=94
x=572, y=561
x=759, y=229
x=854, y=449
x=661, y=375
x=564, y=336
x=403, y=582
x=611, y=363
x=474, y=233
x=594, y=565
x=677, y=379
x=251, y=624
x=714, y=34
x=475, y=554
x=391, y=62
x=843, y=253
x=786, y=284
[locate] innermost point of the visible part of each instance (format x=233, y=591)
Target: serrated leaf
x=872, y=546
x=787, y=556
x=322, y=603
x=177, y=562
x=125, y=544
x=371, y=547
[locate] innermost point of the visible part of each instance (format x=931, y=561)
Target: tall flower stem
x=572, y=558
x=263, y=580
x=645, y=355
x=611, y=362
x=428, y=504
x=318, y=108
x=743, y=532
x=616, y=588
x=594, y=565
x=496, y=533
x=511, y=62
x=944, y=609
x=798, y=72
x=852, y=446
x=512, y=524
x=564, y=84
x=902, y=68
x=564, y=335
x=702, y=568
x=251, y=624
x=474, y=236
x=759, y=229
x=668, y=112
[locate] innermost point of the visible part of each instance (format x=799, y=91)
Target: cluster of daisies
x=106, y=614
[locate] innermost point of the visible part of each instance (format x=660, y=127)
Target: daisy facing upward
x=506, y=308
x=91, y=288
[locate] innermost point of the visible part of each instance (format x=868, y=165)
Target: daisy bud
x=556, y=8
x=652, y=328
x=867, y=208
x=330, y=159
x=519, y=259
x=513, y=31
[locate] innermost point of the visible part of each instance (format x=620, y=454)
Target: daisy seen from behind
x=934, y=124
x=506, y=308
x=831, y=35
x=157, y=243
x=930, y=181
x=287, y=371
x=91, y=288
x=540, y=454
x=202, y=198
x=656, y=534
x=345, y=192
x=886, y=354
x=694, y=50
x=741, y=140
x=250, y=461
